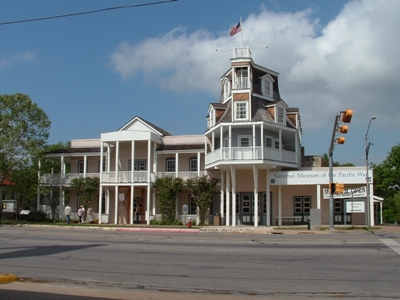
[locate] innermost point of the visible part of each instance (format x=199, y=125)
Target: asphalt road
x=107, y=264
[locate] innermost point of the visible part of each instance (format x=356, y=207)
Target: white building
x=252, y=144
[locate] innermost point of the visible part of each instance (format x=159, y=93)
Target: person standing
x=81, y=211
x=67, y=212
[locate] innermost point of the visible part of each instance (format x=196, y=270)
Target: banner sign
x=355, y=207
x=348, y=193
x=352, y=175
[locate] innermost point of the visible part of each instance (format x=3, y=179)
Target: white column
x=132, y=161
x=62, y=194
x=254, y=142
x=148, y=205
x=280, y=144
x=116, y=205
x=108, y=201
x=255, y=208
x=132, y=204
x=213, y=141
x=176, y=165
x=100, y=198
x=380, y=208
x=84, y=165
x=101, y=161
x=268, y=191
x=228, y=198
x=262, y=142
x=148, y=162
x=108, y=157
x=233, y=174
x=371, y=204
x=221, y=200
x=279, y=205
x=198, y=164
x=116, y=162
x=318, y=196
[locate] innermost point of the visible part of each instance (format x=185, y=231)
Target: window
x=241, y=110
x=280, y=115
x=241, y=80
x=267, y=85
x=193, y=164
x=170, y=165
x=81, y=166
x=227, y=88
x=271, y=142
x=3, y=195
x=140, y=165
x=212, y=117
x=244, y=141
x=192, y=206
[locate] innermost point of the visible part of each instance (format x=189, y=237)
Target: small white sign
x=355, y=207
x=185, y=209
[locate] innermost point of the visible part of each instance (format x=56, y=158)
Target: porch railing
x=251, y=153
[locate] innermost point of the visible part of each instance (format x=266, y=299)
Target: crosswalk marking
x=392, y=245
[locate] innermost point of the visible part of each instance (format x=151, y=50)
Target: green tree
x=50, y=166
x=24, y=130
x=85, y=188
x=202, y=189
x=325, y=162
x=387, y=174
x=167, y=189
x=391, y=209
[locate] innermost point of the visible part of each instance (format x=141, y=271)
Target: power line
x=86, y=12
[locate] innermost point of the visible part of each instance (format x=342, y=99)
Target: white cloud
x=352, y=62
x=17, y=59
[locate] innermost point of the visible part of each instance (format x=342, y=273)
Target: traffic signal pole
x=346, y=116
x=331, y=148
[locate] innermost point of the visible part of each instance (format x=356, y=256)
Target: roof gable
x=139, y=124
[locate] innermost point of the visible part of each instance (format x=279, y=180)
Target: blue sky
x=92, y=73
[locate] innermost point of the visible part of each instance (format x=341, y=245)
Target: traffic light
x=343, y=129
x=340, y=140
x=332, y=188
x=346, y=116
x=339, y=188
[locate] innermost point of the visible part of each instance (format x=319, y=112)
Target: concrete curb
x=159, y=230
x=7, y=278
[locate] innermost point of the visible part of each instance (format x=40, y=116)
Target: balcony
x=63, y=179
x=114, y=177
x=251, y=153
x=183, y=175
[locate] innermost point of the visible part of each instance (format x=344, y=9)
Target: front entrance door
x=246, y=212
x=138, y=214
x=302, y=206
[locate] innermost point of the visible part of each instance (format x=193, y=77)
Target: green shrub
x=36, y=216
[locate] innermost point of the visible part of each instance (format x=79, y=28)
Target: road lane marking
x=392, y=245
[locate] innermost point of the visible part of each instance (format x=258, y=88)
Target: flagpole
x=241, y=32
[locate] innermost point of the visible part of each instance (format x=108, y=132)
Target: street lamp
x=367, y=144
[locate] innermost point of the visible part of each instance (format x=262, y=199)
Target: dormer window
x=227, y=88
x=280, y=115
x=241, y=110
x=266, y=85
x=212, y=117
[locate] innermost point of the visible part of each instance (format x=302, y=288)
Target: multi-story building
x=252, y=144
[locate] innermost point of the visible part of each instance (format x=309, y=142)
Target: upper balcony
x=261, y=154
x=113, y=177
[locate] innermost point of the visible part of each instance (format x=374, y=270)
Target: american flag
x=235, y=29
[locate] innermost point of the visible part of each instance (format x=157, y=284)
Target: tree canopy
x=167, y=189
x=85, y=188
x=387, y=174
x=24, y=130
x=202, y=189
